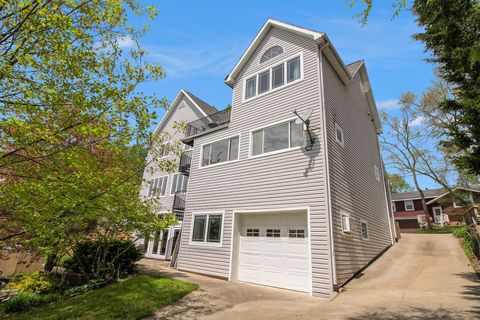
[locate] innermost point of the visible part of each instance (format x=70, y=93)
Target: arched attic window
x=271, y=53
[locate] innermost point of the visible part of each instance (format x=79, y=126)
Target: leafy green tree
x=74, y=125
x=398, y=183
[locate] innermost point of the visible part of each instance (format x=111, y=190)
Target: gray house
x=275, y=202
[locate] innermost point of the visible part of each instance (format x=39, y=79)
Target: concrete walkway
x=422, y=277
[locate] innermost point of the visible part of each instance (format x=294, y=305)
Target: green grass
x=436, y=229
x=134, y=298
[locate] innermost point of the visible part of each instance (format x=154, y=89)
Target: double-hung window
x=207, y=228
x=281, y=74
x=164, y=150
x=364, y=227
x=179, y=183
x=409, y=205
x=277, y=137
x=220, y=151
x=157, y=187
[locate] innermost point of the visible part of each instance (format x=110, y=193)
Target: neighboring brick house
x=408, y=210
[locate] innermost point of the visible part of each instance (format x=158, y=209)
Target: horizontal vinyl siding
x=294, y=178
x=187, y=113
x=354, y=188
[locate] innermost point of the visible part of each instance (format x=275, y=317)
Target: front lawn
x=134, y=298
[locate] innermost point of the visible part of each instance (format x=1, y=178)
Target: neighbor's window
x=409, y=205
x=273, y=233
x=296, y=233
x=274, y=77
x=364, y=226
x=179, y=183
x=339, y=135
x=157, y=187
x=277, y=137
x=250, y=87
x=220, y=151
x=346, y=227
x=271, y=53
x=394, y=208
x=207, y=228
x=377, y=172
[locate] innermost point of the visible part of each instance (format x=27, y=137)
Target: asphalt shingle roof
x=208, y=109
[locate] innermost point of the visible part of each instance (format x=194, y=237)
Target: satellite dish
x=303, y=116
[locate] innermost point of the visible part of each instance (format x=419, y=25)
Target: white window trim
x=166, y=187
x=204, y=243
x=273, y=65
x=394, y=207
x=275, y=45
x=405, y=204
x=250, y=142
x=368, y=229
x=376, y=171
x=169, y=142
x=200, y=166
x=346, y=214
x=337, y=127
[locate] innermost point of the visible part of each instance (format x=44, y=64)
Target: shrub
x=112, y=259
x=90, y=285
x=26, y=300
x=35, y=282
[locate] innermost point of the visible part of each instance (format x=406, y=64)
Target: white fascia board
x=370, y=99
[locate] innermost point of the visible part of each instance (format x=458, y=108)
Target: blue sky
x=199, y=42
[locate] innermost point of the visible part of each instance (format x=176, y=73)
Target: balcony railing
x=185, y=162
x=179, y=204
x=209, y=122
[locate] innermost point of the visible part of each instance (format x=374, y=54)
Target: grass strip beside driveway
x=134, y=298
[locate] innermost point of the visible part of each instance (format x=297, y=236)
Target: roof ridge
x=207, y=108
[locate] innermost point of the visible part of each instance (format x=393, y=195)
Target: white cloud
x=417, y=121
x=388, y=104
x=126, y=42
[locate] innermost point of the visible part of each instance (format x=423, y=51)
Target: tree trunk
x=424, y=203
x=50, y=263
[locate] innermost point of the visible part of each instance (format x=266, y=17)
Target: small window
x=339, y=135
x=253, y=233
x=376, y=172
x=157, y=187
x=346, y=227
x=409, y=205
x=277, y=76
x=164, y=150
x=220, y=151
x=273, y=233
x=271, y=53
x=251, y=85
x=207, y=228
x=264, y=82
x=277, y=137
x=293, y=69
x=364, y=226
x=179, y=183
x=394, y=208
x=296, y=233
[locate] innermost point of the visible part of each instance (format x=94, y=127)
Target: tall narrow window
x=364, y=226
x=346, y=227
x=277, y=75
x=199, y=223
x=250, y=90
x=179, y=183
x=264, y=82
x=293, y=69
x=157, y=187
x=376, y=172
x=339, y=135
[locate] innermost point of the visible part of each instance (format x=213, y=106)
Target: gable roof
x=429, y=193
x=474, y=188
x=208, y=109
x=345, y=72
x=204, y=108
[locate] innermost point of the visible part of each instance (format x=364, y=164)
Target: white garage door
x=274, y=251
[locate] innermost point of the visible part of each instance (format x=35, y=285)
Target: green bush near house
x=470, y=246
x=35, y=282
x=134, y=298
x=437, y=229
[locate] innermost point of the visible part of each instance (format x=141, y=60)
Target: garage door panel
x=282, y=262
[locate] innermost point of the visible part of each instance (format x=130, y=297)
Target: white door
x=274, y=251
x=437, y=214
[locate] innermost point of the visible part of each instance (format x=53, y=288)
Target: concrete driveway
x=422, y=277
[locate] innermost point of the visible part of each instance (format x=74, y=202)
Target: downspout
x=333, y=269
